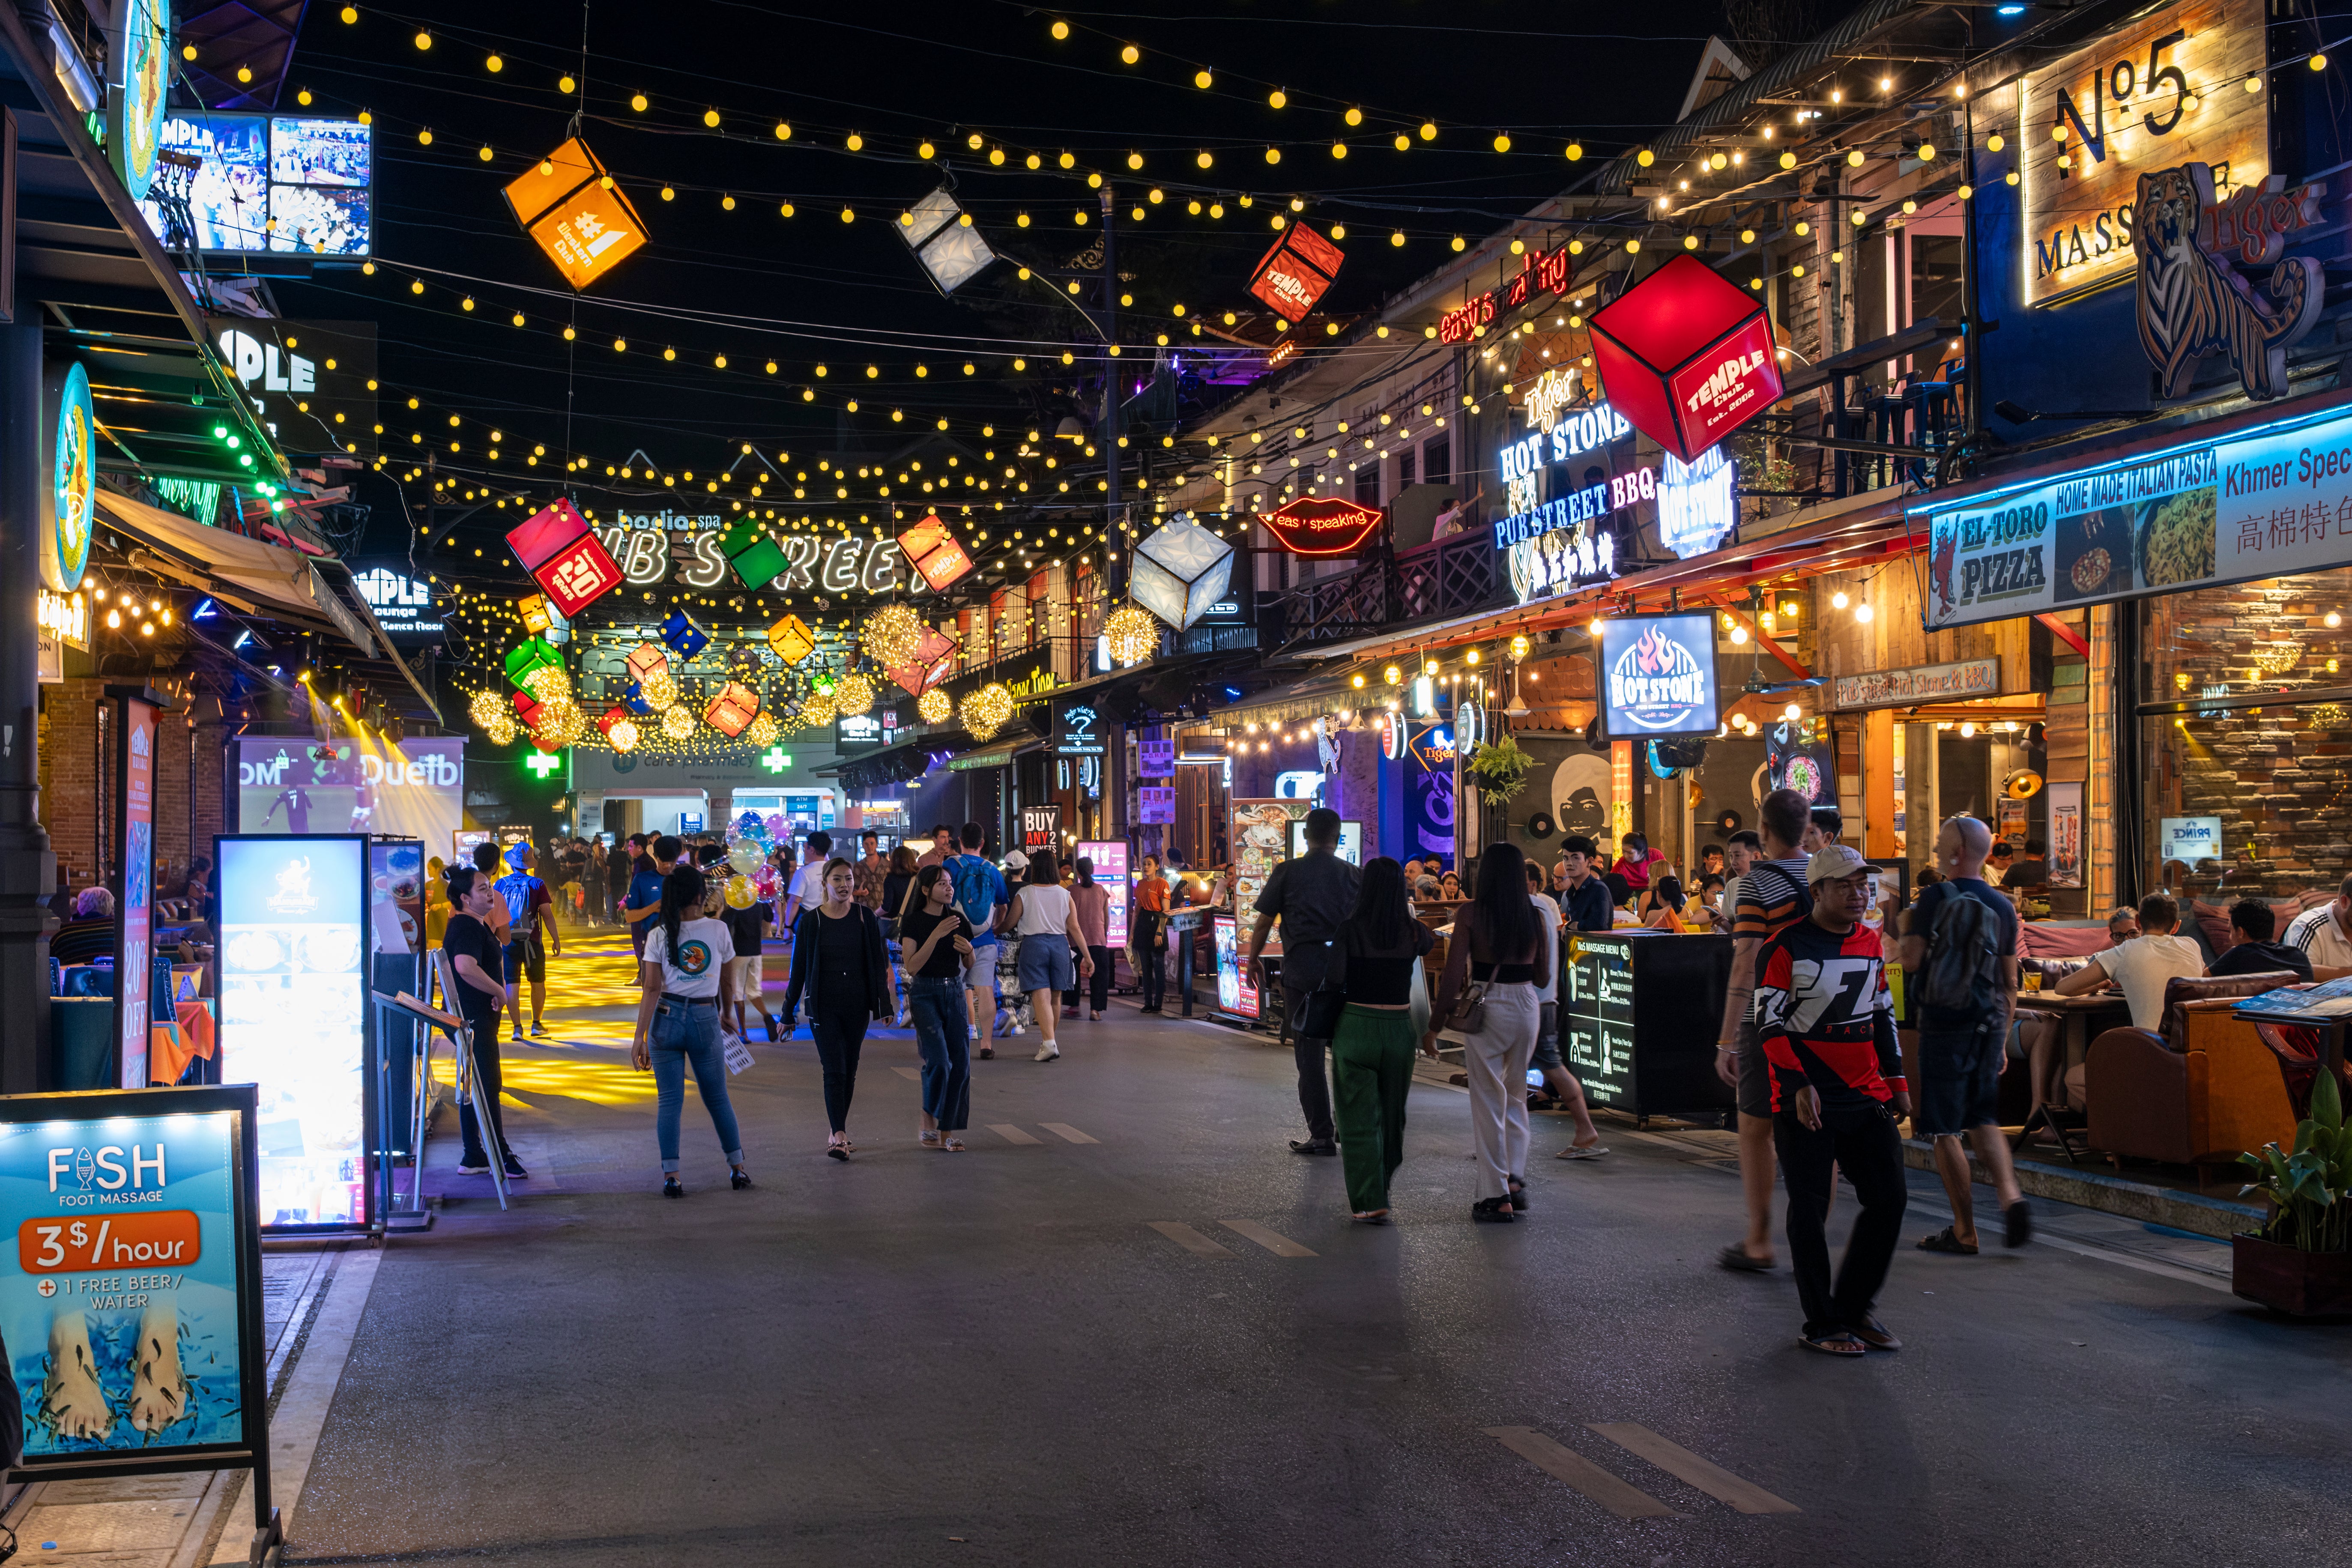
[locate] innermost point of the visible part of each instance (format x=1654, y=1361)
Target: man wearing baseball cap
x=1826, y=1020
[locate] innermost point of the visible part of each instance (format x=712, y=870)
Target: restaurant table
x=2111, y=1008
x=1639, y=1013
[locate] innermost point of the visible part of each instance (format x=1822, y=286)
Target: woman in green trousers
x=1371, y=1048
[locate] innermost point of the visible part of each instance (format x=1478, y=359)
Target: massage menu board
x=132, y=1313
x=1596, y=1016
x=2269, y=501
x=293, y=1016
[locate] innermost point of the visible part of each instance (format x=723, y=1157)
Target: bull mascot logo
x=2193, y=301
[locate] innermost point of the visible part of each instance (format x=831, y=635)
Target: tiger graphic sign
x=2195, y=300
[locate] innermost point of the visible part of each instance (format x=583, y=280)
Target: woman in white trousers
x=1500, y=946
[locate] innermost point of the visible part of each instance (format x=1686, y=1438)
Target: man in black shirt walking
x=1312, y=896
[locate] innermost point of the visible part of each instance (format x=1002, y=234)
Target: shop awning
x=995, y=756
x=250, y=577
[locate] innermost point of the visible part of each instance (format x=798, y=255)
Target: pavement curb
x=2111, y=1195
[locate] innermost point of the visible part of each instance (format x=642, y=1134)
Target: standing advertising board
x=1236, y=986
x=1041, y=829
x=1109, y=857
x=2066, y=835
x=133, y=1315
x=134, y=912
x=293, y=989
x=1260, y=840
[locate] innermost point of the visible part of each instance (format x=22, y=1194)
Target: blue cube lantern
x=1181, y=572
x=635, y=700
x=683, y=636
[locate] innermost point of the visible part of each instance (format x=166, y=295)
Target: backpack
x=1963, y=951
x=517, y=889
x=975, y=891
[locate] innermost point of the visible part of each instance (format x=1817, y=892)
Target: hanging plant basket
x=1500, y=770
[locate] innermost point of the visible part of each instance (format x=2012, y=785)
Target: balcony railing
x=1449, y=576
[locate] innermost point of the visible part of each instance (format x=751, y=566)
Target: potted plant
x=1500, y=770
x=2301, y=1262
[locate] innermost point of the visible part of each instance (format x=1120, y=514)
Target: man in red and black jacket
x=1827, y=1026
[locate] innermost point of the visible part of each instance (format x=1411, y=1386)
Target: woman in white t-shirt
x=1046, y=921
x=685, y=980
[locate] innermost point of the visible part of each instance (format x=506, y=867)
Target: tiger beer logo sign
x=2194, y=300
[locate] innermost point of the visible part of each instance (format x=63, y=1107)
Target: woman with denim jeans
x=685, y=983
x=935, y=941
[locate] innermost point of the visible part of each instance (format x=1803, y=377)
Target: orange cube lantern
x=731, y=712
x=933, y=551
x=934, y=660
x=576, y=213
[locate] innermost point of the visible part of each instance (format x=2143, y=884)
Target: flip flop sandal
x=1840, y=1344
x=951, y=1145
x=1944, y=1241
x=928, y=1140
x=1736, y=1258
x=836, y=1151
x=1581, y=1151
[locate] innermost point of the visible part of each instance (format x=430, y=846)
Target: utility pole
x=1115, y=574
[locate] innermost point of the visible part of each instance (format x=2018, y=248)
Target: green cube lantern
x=530, y=655
x=758, y=559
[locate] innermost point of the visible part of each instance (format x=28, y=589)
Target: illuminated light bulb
x=1645, y=157
x=424, y=40
x=1864, y=613
x=1274, y=154
x=1203, y=80
x=1576, y=152
x=637, y=102
x=1853, y=158
x=1690, y=242
x=1739, y=636
x=1502, y=142
x=710, y=118
x=1966, y=192
x=1632, y=248
x=1061, y=29
x=1459, y=243
x=2319, y=62
x=1838, y=600
x=425, y=138
x=1338, y=149
x=1788, y=160
x=2333, y=620
x=1131, y=54
x=2254, y=85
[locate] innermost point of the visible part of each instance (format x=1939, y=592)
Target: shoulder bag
x=1318, y=1013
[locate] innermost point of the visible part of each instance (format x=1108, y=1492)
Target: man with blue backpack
x=530, y=916
x=980, y=894
x=1959, y=952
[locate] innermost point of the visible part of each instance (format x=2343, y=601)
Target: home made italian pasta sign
x=2265, y=503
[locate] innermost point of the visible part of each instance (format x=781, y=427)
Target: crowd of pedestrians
x=932, y=935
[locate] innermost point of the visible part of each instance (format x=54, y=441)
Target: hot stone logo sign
x=1660, y=674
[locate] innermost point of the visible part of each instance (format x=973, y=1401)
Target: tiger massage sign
x=2168, y=90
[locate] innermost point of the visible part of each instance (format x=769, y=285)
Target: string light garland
x=677, y=722
x=933, y=706
x=892, y=635
x=623, y=736
x=762, y=731
x=1133, y=634
x=986, y=711
x=817, y=712
x=853, y=694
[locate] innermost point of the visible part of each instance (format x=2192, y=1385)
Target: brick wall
x=72, y=777
x=2279, y=778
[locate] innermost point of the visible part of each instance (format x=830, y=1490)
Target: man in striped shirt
x=1772, y=894
x=1826, y=1020
x=2325, y=935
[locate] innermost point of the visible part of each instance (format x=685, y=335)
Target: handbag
x=1469, y=1014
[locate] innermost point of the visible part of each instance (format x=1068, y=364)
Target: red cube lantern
x=731, y=712
x=647, y=660
x=613, y=715
x=1293, y=275
x=526, y=708
x=934, y=661
x=564, y=556
x=1322, y=525
x=932, y=551
x=1686, y=356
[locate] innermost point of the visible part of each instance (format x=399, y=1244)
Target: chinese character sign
x=2269, y=501
x=571, y=207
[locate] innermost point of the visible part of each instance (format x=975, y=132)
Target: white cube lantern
x=1182, y=570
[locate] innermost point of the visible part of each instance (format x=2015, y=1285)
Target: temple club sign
x=1322, y=525
x=1687, y=356
x=1293, y=275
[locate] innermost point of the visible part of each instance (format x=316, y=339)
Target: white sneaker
x=1048, y=1052
x=975, y=1030
x=902, y=1019
x=1016, y=1028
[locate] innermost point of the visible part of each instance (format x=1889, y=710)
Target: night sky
x=756, y=286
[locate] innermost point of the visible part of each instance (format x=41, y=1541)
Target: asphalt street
x=1127, y=1325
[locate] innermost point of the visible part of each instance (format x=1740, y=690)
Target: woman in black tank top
x=1371, y=1048
x=1499, y=941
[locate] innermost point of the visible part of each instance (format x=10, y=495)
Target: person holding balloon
x=748, y=918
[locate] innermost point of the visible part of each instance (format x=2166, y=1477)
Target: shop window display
x=2271, y=758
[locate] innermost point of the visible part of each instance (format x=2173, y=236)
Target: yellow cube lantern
x=533, y=611
x=791, y=640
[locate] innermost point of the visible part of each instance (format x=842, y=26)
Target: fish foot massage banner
x=133, y=1315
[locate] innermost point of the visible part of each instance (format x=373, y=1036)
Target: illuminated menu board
x=1596, y=1023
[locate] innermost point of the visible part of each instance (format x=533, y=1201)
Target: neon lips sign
x=1541, y=272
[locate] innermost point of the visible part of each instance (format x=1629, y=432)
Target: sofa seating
x=2198, y=1091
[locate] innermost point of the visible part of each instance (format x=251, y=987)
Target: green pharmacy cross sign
x=776, y=761
x=543, y=762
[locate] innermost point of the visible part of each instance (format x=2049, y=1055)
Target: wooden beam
x=1763, y=640
x=2066, y=633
